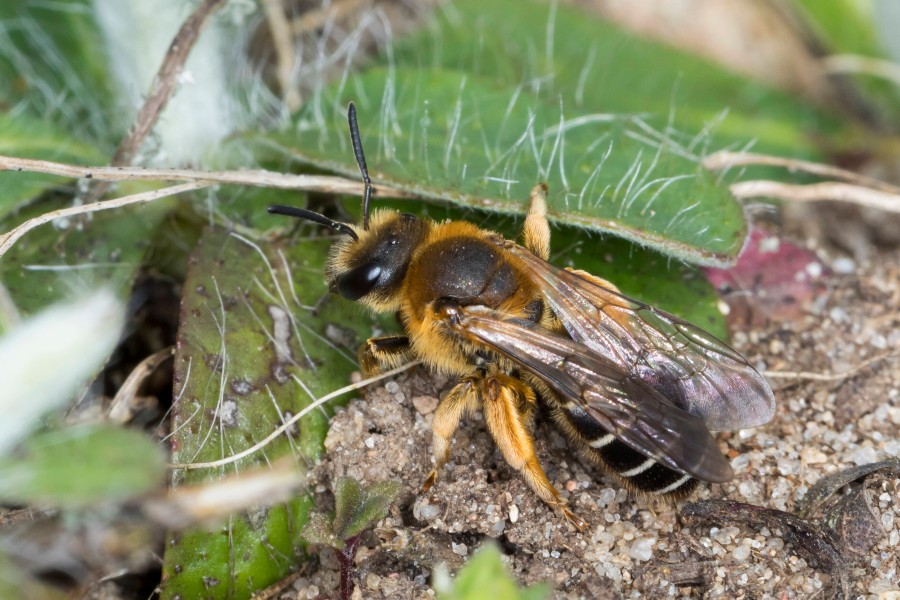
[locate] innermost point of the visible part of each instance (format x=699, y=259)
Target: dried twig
x=318, y=18
x=196, y=180
x=830, y=376
x=124, y=405
x=724, y=160
x=817, y=192
x=8, y=239
x=284, y=51
x=161, y=90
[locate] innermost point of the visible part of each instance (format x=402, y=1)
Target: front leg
x=384, y=353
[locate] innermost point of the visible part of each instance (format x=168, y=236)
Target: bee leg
x=463, y=398
x=598, y=280
x=536, y=232
x=508, y=404
x=380, y=354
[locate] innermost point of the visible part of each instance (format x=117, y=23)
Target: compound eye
x=358, y=282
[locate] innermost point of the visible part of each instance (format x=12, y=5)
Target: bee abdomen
x=637, y=471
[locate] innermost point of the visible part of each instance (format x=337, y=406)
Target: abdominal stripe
x=634, y=468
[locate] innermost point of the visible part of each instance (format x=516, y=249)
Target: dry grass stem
x=326, y=184
x=285, y=55
x=726, y=160
x=189, y=505
x=125, y=404
x=196, y=180
x=8, y=239
x=862, y=65
x=830, y=376
x=818, y=192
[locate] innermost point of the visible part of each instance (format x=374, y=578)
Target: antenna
x=361, y=162
x=302, y=213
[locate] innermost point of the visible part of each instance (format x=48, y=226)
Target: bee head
x=368, y=263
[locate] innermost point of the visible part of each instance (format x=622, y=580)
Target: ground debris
x=638, y=546
x=809, y=541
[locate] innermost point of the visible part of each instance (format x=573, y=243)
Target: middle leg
x=463, y=398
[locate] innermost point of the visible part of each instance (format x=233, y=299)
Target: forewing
x=626, y=406
x=689, y=366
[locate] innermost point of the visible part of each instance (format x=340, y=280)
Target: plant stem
x=345, y=557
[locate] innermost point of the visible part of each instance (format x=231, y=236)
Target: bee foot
x=429, y=482
x=579, y=523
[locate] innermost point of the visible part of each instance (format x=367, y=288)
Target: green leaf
x=852, y=27
x=484, y=577
x=53, y=65
x=596, y=68
x=358, y=507
x=104, y=249
x=249, y=355
x=846, y=25
x=318, y=530
x=476, y=110
x=77, y=466
x=457, y=137
x=24, y=136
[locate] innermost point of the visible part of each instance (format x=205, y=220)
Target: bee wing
x=626, y=406
x=689, y=366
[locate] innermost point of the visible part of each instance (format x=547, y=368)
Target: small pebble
x=372, y=581
x=814, y=456
x=425, y=404
x=642, y=549
x=460, y=549
x=497, y=528
x=606, y=496
x=513, y=513
x=865, y=456
x=844, y=265
x=741, y=553
x=425, y=512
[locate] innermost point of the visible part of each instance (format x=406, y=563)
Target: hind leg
x=508, y=404
x=536, y=231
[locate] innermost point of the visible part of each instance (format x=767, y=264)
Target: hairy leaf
x=78, y=466
x=250, y=354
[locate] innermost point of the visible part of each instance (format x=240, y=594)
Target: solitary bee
x=635, y=389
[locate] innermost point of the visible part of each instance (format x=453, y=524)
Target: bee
x=636, y=390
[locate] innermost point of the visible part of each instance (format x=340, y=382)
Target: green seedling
x=356, y=508
x=484, y=577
